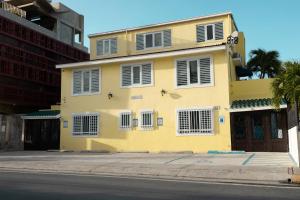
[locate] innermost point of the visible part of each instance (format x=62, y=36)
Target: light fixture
x=163, y=92
x=110, y=95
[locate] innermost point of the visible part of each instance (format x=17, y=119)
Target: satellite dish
x=235, y=34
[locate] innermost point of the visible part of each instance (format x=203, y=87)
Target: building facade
x=167, y=87
x=33, y=40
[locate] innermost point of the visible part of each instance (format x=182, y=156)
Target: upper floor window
x=194, y=72
x=210, y=32
x=107, y=46
x=85, y=124
x=153, y=40
x=86, y=81
x=136, y=75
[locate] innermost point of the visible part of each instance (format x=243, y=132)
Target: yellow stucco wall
x=162, y=138
x=251, y=89
x=183, y=36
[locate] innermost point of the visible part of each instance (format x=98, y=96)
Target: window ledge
x=137, y=86
x=85, y=136
x=195, y=134
x=86, y=94
x=195, y=86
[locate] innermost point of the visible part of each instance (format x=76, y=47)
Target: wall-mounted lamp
x=163, y=92
x=109, y=95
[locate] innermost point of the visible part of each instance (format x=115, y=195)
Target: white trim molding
x=183, y=52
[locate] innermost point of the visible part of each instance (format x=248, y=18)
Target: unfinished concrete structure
x=35, y=35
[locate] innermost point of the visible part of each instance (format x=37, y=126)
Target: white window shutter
x=114, y=45
x=181, y=73
x=95, y=80
x=219, y=31
x=205, y=71
x=200, y=33
x=139, y=41
x=126, y=75
x=99, y=47
x=77, y=82
x=146, y=74
x=86, y=81
x=167, y=38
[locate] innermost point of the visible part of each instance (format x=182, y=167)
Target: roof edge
x=156, y=55
x=163, y=23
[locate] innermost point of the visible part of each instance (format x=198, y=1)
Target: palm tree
x=264, y=63
x=287, y=85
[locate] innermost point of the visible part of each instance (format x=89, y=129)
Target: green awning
x=254, y=104
x=43, y=114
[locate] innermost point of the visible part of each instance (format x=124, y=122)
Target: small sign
x=65, y=124
x=160, y=121
x=135, y=122
x=221, y=119
x=137, y=97
x=280, y=135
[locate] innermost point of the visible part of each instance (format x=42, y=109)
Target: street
x=31, y=186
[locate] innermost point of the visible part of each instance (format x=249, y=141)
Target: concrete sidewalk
x=263, y=168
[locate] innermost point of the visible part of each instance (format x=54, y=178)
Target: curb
x=248, y=182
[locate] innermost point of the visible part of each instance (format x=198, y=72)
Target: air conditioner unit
x=237, y=59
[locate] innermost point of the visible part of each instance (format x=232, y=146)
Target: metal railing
x=12, y=9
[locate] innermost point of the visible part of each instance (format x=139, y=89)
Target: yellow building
x=166, y=87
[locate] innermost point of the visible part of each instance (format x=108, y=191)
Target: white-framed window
x=194, y=72
x=85, y=124
x=210, y=32
x=136, y=75
x=156, y=39
x=106, y=46
x=125, y=120
x=195, y=121
x=86, y=81
x=147, y=119
x=153, y=40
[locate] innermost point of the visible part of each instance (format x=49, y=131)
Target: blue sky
x=267, y=24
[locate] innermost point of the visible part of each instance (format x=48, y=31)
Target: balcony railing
x=13, y=9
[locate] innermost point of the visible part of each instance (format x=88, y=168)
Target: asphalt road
x=48, y=186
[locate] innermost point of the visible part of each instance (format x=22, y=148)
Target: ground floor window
x=194, y=121
x=85, y=124
x=125, y=120
x=146, y=119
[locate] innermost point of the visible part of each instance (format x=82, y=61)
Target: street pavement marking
x=248, y=159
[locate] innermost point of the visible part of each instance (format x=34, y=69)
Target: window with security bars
x=125, y=120
x=147, y=119
x=195, y=121
x=85, y=124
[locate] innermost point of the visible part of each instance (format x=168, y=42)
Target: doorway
x=42, y=134
x=259, y=131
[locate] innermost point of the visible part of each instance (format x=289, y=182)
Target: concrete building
x=170, y=87
x=35, y=35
